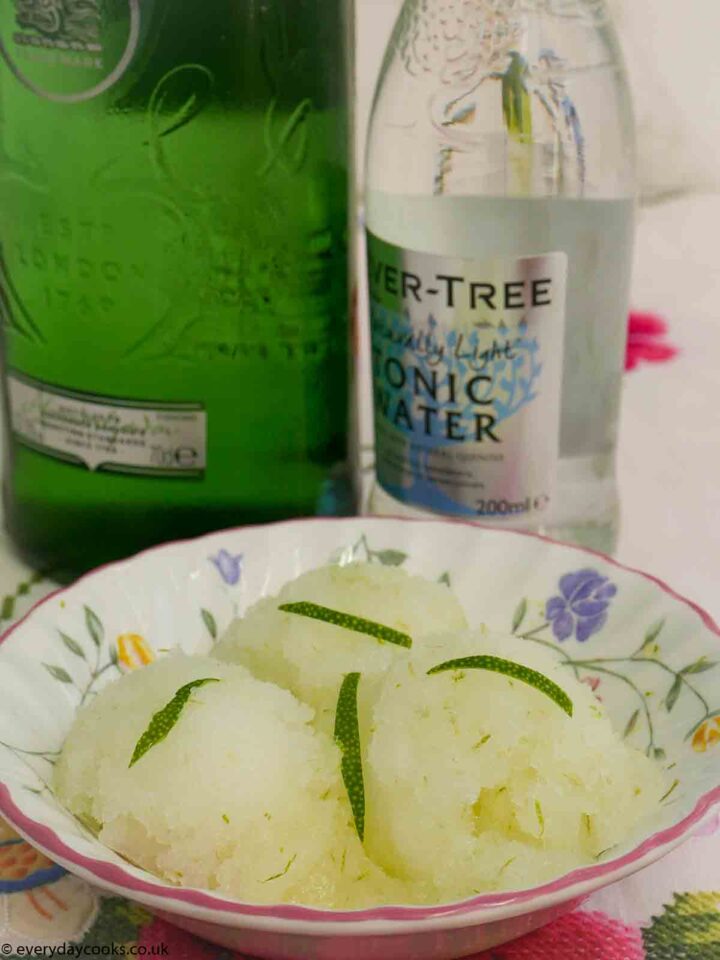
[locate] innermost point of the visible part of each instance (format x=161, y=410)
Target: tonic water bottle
x=500, y=208
x=173, y=232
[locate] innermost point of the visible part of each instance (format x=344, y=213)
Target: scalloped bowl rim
x=485, y=908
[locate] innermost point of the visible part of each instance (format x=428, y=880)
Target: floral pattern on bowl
x=651, y=657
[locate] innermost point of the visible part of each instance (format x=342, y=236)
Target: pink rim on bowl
x=577, y=883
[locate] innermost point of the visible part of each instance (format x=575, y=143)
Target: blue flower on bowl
x=229, y=566
x=581, y=609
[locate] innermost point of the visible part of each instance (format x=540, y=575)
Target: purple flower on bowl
x=582, y=607
x=229, y=566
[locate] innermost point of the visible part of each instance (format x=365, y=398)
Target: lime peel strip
x=164, y=720
x=516, y=671
x=349, y=622
x=347, y=736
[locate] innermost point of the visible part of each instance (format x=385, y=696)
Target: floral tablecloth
x=669, y=912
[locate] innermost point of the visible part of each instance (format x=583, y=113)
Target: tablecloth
x=669, y=465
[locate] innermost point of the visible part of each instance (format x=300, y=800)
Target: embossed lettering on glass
x=173, y=188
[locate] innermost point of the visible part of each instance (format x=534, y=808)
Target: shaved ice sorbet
x=350, y=742
x=309, y=657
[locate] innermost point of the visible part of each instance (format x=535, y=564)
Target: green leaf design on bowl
x=94, y=626
x=58, y=672
x=210, y=623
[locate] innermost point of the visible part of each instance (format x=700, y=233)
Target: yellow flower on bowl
x=133, y=651
x=707, y=735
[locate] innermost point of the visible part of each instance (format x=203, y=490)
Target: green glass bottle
x=173, y=274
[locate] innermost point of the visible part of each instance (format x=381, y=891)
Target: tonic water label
x=107, y=433
x=467, y=373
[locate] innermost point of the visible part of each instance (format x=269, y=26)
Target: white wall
x=375, y=19
x=671, y=47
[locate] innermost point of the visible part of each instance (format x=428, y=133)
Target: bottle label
x=69, y=50
x=107, y=433
x=467, y=372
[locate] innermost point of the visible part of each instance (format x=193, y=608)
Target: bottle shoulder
x=532, y=100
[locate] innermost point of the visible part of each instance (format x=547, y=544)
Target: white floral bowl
x=651, y=655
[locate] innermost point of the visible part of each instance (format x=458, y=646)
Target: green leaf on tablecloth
x=688, y=929
x=58, y=672
x=94, y=626
x=24, y=588
x=118, y=921
x=8, y=607
x=72, y=645
x=445, y=578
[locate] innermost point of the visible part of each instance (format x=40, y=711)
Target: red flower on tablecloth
x=646, y=341
x=576, y=936
x=181, y=945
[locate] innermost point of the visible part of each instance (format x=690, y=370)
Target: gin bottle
x=500, y=209
x=173, y=232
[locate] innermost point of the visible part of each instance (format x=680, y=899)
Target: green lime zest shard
x=347, y=737
x=516, y=671
x=349, y=622
x=164, y=720
x=277, y=876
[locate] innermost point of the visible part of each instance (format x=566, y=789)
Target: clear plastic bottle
x=500, y=215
